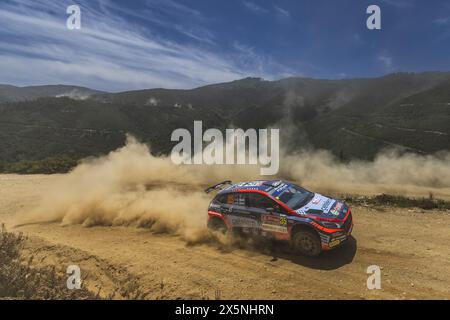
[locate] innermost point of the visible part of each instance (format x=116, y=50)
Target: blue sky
x=125, y=45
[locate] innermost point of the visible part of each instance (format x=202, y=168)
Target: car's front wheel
x=307, y=242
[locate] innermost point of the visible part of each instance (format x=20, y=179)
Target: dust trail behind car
x=131, y=187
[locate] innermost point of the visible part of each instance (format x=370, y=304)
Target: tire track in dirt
x=168, y=268
x=411, y=247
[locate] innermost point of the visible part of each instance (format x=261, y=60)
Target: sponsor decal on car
x=327, y=205
x=274, y=228
x=336, y=209
x=243, y=222
x=318, y=205
x=302, y=211
x=334, y=243
x=214, y=206
x=279, y=190
x=268, y=218
x=273, y=223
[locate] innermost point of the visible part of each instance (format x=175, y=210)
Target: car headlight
x=332, y=225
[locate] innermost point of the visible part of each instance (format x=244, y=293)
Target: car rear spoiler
x=217, y=186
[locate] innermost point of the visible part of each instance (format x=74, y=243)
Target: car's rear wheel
x=307, y=242
x=217, y=225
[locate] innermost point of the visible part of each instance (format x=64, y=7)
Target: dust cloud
x=390, y=172
x=129, y=186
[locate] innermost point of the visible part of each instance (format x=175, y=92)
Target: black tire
x=307, y=242
x=217, y=224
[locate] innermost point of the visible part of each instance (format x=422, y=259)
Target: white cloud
x=442, y=21
x=250, y=60
x=282, y=12
x=255, y=8
x=276, y=12
x=110, y=53
x=198, y=34
x=386, y=60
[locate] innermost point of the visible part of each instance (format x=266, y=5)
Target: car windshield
x=295, y=197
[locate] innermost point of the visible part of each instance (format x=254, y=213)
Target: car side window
x=257, y=200
x=238, y=199
x=260, y=201
x=221, y=198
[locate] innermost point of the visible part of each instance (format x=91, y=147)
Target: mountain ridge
x=11, y=93
x=352, y=118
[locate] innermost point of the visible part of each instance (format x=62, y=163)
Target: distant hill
x=353, y=118
x=10, y=93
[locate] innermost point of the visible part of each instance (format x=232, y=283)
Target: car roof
x=257, y=185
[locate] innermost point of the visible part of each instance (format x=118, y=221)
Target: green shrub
x=400, y=201
x=57, y=164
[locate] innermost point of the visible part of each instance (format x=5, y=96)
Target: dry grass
x=20, y=279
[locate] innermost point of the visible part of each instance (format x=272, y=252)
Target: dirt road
x=410, y=246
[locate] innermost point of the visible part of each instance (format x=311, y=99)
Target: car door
x=238, y=214
x=272, y=217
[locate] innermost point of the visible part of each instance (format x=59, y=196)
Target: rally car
x=281, y=210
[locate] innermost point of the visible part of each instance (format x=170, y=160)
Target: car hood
x=324, y=207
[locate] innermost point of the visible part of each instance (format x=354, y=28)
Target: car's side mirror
x=269, y=210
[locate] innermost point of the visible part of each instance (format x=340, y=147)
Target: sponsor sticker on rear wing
x=217, y=186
